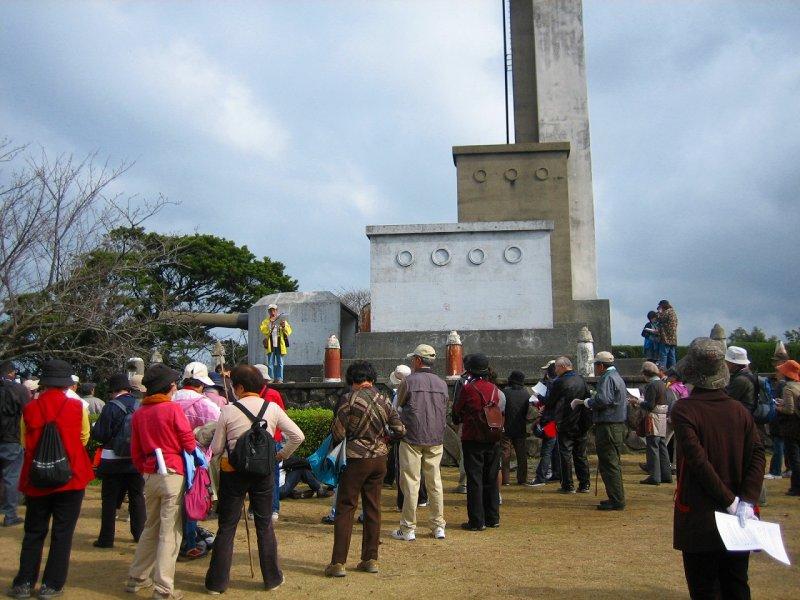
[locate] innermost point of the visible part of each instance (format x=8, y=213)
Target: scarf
x=156, y=399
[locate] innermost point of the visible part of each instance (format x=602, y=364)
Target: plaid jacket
x=365, y=418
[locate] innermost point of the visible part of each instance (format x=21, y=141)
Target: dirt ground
x=548, y=544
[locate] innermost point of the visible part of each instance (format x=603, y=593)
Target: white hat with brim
x=198, y=371
x=271, y=306
x=399, y=374
x=736, y=355
x=423, y=351
x=264, y=370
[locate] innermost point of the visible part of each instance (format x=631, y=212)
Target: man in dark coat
x=514, y=434
x=720, y=468
x=572, y=424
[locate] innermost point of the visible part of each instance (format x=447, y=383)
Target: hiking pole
x=249, y=547
x=596, y=476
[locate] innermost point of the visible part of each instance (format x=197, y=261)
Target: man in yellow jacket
x=276, y=330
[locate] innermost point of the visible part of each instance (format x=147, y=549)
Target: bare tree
x=66, y=283
x=354, y=298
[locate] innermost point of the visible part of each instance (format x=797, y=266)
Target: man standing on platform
x=422, y=401
x=276, y=330
x=609, y=411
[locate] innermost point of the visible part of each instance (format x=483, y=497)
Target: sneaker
x=368, y=566
x=583, y=489
x=468, y=527
x=566, y=490
x=23, y=590
x=438, y=533
x=133, y=585
x=47, y=592
x=212, y=592
x=173, y=595
x=407, y=536
x=335, y=570
x=328, y=519
x=422, y=505
x=535, y=483
x=277, y=585
x=275, y=517
x=198, y=551
x=771, y=476
x=11, y=521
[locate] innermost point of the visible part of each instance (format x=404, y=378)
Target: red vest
x=53, y=404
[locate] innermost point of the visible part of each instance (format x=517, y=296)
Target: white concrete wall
x=461, y=295
x=314, y=316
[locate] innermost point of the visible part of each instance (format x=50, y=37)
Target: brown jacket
x=720, y=457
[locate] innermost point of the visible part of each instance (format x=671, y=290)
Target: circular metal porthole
x=513, y=254
x=476, y=256
x=511, y=174
x=404, y=258
x=440, y=257
x=542, y=174
x=479, y=175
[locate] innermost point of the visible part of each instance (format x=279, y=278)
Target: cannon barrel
x=229, y=320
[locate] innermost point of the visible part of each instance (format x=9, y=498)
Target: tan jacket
x=791, y=399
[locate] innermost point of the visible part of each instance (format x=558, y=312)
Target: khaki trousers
x=160, y=541
x=415, y=460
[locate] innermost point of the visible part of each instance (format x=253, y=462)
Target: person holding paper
x=655, y=404
x=720, y=468
x=609, y=410
x=159, y=424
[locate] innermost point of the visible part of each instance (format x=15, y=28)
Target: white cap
x=264, y=370
x=31, y=384
x=75, y=379
x=399, y=374
x=736, y=355
x=199, y=371
x=275, y=306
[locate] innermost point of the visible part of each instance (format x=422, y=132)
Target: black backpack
x=121, y=442
x=50, y=466
x=254, y=451
x=10, y=414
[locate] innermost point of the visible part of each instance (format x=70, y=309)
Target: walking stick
x=596, y=476
x=249, y=547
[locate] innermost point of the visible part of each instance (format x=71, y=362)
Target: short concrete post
x=135, y=366
x=718, y=335
x=218, y=354
x=455, y=356
x=585, y=353
x=333, y=360
x=155, y=357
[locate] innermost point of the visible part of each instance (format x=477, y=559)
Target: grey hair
x=427, y=360
x=564, y=363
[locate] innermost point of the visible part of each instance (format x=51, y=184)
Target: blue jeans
x=275, y=364
x=776, y=464
x=189, y=535
x=11, y=464
x=667, y=356
x=294, y=478
x=549, y=460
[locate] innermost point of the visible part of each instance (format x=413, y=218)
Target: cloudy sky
x=290, y=126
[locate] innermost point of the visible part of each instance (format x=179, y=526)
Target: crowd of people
x=158, y=431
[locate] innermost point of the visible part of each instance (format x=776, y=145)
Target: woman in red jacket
x=61, y=504
x=160, y=433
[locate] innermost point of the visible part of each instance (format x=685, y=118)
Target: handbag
x=328, y=463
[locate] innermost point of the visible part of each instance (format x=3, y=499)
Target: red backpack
x=490, y=418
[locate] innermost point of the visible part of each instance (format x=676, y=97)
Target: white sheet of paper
x=540, y=389
x=635, y=393
x=755, y=535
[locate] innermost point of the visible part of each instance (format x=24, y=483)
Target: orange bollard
x=455, y=356
x=333, y=360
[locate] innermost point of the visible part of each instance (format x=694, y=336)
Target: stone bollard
x=455, y=356
x=333, y=360
x=218, y=354
x=585, y=353
x=718, y=335
x=155, y=357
